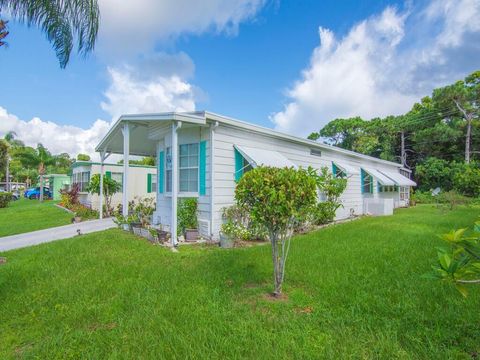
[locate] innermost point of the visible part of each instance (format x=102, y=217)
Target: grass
x=354, y=291
x=25, y=215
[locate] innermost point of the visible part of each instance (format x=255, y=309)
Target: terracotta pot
x=191, y=234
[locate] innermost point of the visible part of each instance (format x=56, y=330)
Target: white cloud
x=135, y=25
x=154, y=84
x=384, y=64
x=57, y=138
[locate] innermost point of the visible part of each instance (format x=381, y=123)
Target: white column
x=102, y=157
x=126, y=151
x=173, y=230
x=213, y=126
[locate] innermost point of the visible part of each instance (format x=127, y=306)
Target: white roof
x=382, y=179
x=347, y=168
x=399, y=178
x=260, y=157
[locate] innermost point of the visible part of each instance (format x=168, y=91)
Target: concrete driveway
x=52, y=234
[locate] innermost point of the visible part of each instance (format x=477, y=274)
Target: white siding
x=226, y=137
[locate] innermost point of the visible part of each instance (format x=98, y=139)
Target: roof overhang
x=398, y=178
x=140, y=142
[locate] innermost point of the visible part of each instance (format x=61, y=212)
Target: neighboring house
x=56, y=182
x=184, y=145
x=142, y=181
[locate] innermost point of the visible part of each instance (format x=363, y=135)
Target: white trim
x=126, y=151
x=174, y=146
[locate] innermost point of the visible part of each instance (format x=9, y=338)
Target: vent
x=204, y=228
x=315, y=152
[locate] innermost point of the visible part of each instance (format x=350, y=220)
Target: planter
x=226, y=241
x=191, y=234
x=146, y=234
x=137, y=230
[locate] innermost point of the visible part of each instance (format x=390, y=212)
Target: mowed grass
x=354, y=290
x=29, y=215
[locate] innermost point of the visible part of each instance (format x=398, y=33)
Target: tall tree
x=464, y=97
x=62, y=22
x=40, y=158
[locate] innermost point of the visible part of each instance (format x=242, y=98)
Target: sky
x=288, y=65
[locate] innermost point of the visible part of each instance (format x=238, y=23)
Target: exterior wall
x=352, y=199
x=137, y=183
x=186, y=135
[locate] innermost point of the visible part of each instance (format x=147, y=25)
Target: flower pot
x=163, y=235
x=226, y=241
x=191, y=234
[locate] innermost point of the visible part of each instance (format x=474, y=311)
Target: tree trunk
x=41, y=187
x=403, y=152
x=468, y=137
x=277, y=272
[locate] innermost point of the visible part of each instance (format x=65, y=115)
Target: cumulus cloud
x=153, y=84
x=384, y=64
x=135, y=25
x=57, y=138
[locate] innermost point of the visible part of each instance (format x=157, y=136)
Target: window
x=367, y=183
x=338, y=172
x=241, y=165
x=315, y=152
x=168, y=169
x=405, y=173
x=154, y=183
x=404, y=193
x=188, y=167
x=389, y=188
x=118, y=177
x=82, y=179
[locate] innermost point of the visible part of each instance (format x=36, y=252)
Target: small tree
x=459, y=264
x=110, y=188
x=332, y=188
x=277, y=199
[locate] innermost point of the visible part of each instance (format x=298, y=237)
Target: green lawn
x=28, y=215
x=354, y=291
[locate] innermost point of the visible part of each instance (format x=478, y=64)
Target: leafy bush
x=187, y=214
x=423, y=197
x=84, y=212
x=5, y=198
x=453, y=199
x=143, y=209
x=459, y=263
x=110, y=188
x=332, y=188
x=69, y=197
x=466, y=180
x=239, y=226
x=434, y=173
x=277, y=199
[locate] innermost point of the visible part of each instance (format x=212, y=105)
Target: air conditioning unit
x=378, y=207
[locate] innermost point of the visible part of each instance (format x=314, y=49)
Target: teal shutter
x=202, y=169
x=108, y=174
x=149, y=183
x=362, y=175
x=238, y=165
x=334, y=169
x=161, y=171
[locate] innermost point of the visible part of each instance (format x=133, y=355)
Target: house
x=142, y=181
x=202, y=155
x=56, y=182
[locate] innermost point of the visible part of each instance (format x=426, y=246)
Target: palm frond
x=62, y=21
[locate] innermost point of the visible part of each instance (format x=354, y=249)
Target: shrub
x=187, y=214
x=239, y=226
x=110, y=188
x=69, y=197
x=143, y=209
x=5, y=198
x=423, y=197
x=277, y=199
x=467, y=180
x=433, y=173
x=452, y=199
x=84, y=212
x=331, y=188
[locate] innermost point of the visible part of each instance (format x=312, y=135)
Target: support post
x=213, y=126
x=175, y=126
x=102, y=157
x=126, y=151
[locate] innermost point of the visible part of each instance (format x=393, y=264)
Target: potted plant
x=227, y=235
x=187, y=218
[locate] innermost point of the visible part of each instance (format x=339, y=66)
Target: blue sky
x=261, y=61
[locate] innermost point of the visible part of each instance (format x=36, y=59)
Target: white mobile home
x=142, y=181
x=202, y=154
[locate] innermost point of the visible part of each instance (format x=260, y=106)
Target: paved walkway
x=52, y=234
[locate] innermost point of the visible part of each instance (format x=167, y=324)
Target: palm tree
x=40, y=158
x=60, y=20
